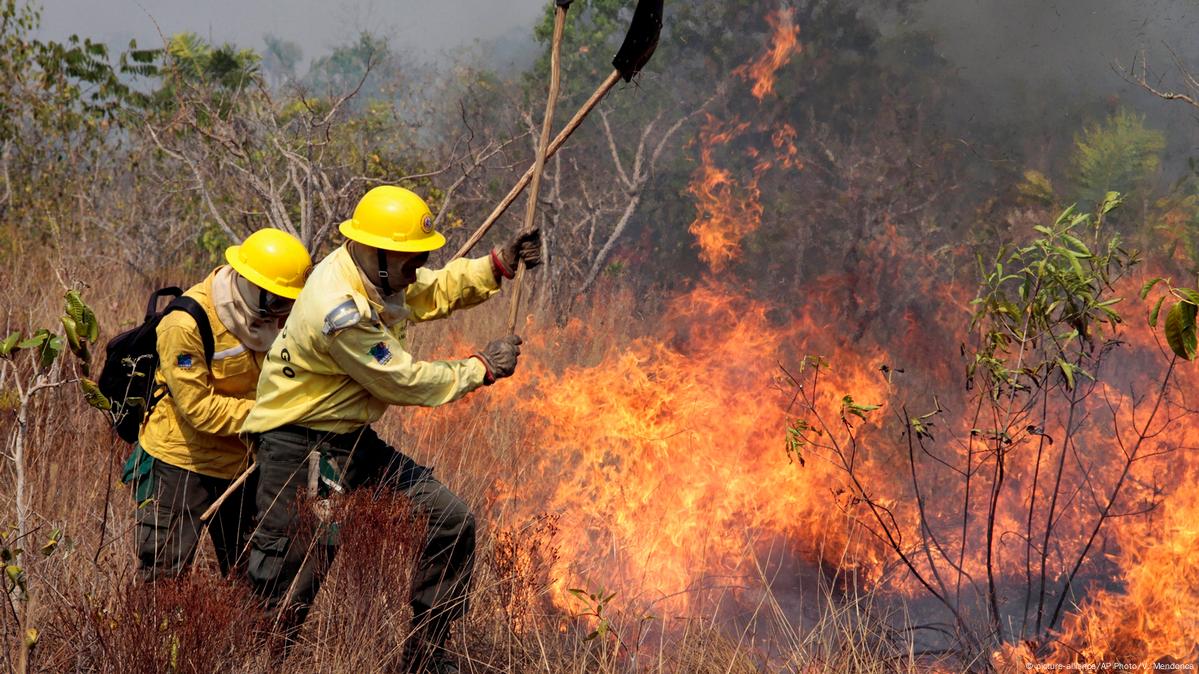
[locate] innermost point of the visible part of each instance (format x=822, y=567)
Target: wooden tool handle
x=557, y=144
x=547, y=125
x=216, y=505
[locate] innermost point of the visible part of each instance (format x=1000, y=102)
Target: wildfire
x=728, y=210
x=1156, y=616
x=783, y=45
x=666, y=457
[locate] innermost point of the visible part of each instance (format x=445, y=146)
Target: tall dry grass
x=94, y=617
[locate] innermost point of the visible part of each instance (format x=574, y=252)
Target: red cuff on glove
x=497, y=264
x=488, y=378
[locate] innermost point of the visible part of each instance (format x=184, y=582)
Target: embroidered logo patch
x=184, y=360
x=381, y=353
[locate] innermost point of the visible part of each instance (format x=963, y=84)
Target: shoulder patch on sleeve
x=342, y=316
x=381, y=353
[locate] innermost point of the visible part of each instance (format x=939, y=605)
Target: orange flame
x=727, y=210
x=667, y=462
x=783, y=45
x=1155, y=618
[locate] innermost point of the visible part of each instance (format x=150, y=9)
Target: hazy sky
x=1026, y=57
x=1068, y=39
x=317, y=25
x=987, y=38
x=1018, y=55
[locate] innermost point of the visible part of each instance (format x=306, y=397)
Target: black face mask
x=408, y=270
x=271, y=305
x=384, y=275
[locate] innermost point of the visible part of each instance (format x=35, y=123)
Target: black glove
x=500, y=358
x=525, y=247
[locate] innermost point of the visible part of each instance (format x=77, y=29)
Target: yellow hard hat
x=272, y=260
x=393, y=218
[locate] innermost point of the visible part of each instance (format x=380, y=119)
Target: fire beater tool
x=639, y=44
x=547, y=124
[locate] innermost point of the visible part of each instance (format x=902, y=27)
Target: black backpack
x=131, y=359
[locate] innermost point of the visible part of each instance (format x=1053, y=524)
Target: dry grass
x=93, y=617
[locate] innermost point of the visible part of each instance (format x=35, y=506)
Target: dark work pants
x=287, y=564
x=169, y=526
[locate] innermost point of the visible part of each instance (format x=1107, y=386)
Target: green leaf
x=1078, y=244
x=848, y=406
x=1111, y=201
x=92, y=394
x=49, y=351
x=33, y=342
x=9, y=344
x=85, y=319
x=16, y=575
x=1149, y=286
x=1180, y=330
x=75, y=306
x=1155, y=311
x=1187, y=295
x=52, y=542
x=1068, y=370
x=1075, y=264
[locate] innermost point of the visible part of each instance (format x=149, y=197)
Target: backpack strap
x=173, y=292
x=193, y=309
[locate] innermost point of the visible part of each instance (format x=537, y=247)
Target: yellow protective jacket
x=195, y=425
x=341, y=357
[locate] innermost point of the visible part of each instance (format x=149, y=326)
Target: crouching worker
x=191, y=433
x=336, y=367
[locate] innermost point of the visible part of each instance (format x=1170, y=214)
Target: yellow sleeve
x=460, y=284
x=378, y=362
x=181, y=363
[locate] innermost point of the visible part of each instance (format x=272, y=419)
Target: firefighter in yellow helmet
x=189, y=446
x=340, y=361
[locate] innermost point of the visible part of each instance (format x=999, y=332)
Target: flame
x=784, y=44
x=666, y=458
x=728, y=210
x=1155, y=618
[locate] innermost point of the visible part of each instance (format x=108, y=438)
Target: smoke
x=316, y=25
x=1031, y=63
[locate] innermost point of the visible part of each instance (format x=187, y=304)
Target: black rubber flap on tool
x=641, y=40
